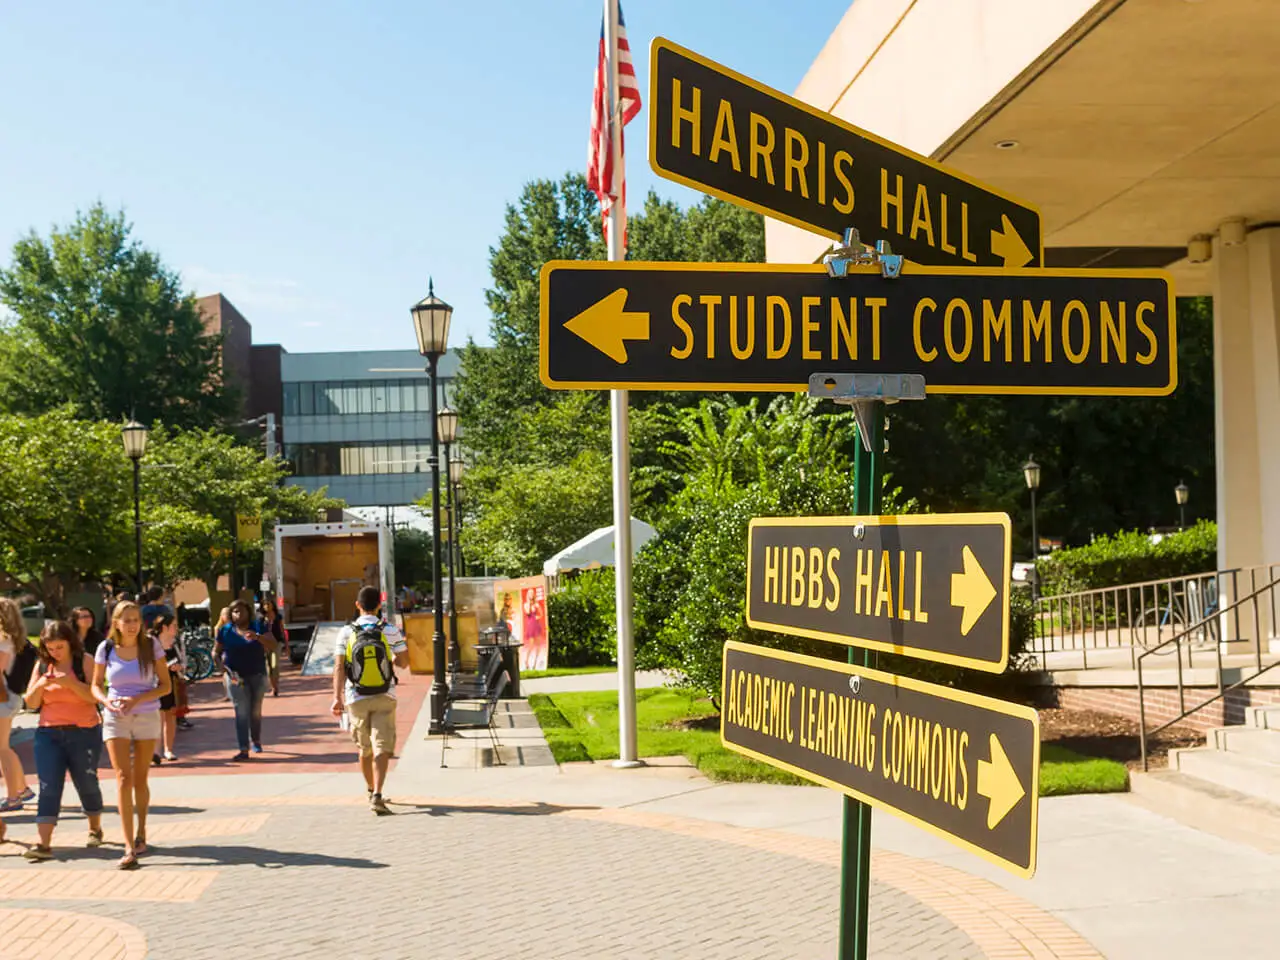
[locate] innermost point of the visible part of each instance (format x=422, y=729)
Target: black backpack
x=19, y=673
x=369, y=665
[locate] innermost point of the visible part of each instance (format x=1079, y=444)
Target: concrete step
x=1257, y=778
x=1268, y=718
x=1209, y=807
x=1260, y=744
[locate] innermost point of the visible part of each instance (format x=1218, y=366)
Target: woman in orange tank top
x=69, y=738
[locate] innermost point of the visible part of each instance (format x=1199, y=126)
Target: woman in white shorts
x=129, y=678
x=13, y=638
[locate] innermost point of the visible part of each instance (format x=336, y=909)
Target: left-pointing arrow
x=607, y=325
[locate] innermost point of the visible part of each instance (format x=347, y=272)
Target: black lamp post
x=447, y=425
x=1031, y=473
x=134, y=435
x=1182, y=493
x=431, y=317
x=457, y=467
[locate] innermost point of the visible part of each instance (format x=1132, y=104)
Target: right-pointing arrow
x=1008, y=244
x=972, y=589
x=998, y=782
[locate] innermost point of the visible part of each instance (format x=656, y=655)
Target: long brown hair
x=11, y=626
x=60, y=630
x=146, y=648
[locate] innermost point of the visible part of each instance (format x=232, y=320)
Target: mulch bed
x=1096, y=734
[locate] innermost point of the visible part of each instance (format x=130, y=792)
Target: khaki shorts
x=373, y=725
x=131, y=726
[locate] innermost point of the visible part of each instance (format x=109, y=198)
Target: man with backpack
x=368, y=650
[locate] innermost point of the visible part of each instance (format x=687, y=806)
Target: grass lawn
x=563, y=672
x=584, y=726
x=1064, y=771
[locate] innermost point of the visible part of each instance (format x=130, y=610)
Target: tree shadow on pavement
x=239, y=856
x=539, y=809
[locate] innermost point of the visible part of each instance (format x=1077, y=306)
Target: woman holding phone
x=129, y=678
x=244, y=654
x=69, y=738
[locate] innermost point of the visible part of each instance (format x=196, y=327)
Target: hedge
x=1130, y=557
x=581, y=621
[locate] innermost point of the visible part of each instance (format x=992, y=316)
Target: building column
x=1264, y=298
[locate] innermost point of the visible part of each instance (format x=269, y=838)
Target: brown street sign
x=718, y=131
x=931, y=586
x=768, y=327
x=962, y=766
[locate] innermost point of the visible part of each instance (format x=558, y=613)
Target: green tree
x=99, y=322
x=414, y=560
x=68, y=501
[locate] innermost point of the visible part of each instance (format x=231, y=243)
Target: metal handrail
x=1210, y=621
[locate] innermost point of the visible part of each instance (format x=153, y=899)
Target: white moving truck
x=316, y=570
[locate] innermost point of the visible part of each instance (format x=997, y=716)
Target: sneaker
x=184, y=723
x=155, y=759
x=378, y=805
x=242, y=755
x=257, y=748
x=13, y=803
x=170, y=756
x=27, y=794
x=95, y=839
x=37, y=853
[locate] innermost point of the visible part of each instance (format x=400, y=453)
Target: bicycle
x=1172, y=619
x=197, y=643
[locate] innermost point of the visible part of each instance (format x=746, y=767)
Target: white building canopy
x=596, y=549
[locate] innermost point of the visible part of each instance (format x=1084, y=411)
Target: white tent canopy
x=596, y=549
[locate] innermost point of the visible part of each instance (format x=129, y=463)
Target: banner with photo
x=522, y=605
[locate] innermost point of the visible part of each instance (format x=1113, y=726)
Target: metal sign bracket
x=854, y=252
x=863, y=391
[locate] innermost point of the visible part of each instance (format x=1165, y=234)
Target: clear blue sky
x=317, y=161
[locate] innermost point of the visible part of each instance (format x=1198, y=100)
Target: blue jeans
x=247, y=697
x=63, y=750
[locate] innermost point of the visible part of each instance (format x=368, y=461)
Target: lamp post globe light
x=447, y=426
x=1182, y=493
x=431, y=317
x=134, y=435
x=1031, y=473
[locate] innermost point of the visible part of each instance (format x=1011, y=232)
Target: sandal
x=37, y=853
x=140, y=845
x=95, y=839
x=128, y=862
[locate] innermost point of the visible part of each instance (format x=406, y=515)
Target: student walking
x=164, y=629
x=132, y=664
x=16, y=659
x=85, y=625
x=367, y=651
x=270, y=626
x=245, y=657
x=69, y=738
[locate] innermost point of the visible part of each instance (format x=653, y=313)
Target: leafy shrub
x=1130, y=557
x=582, y=621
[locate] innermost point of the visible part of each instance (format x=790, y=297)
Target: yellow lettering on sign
x=903, y=612
x=683, y=300
x=890, y=199
x=942, y=224
x=797, y=576
x=822, y=173
x=845, y=205
x=1036, y=326
x=815, y=578
x=884, y=595
x=846, y=328
x=833, y=601
x=921, y=615
x=921, y=218
x=730, y=705
x=808, y=327
x=1075, y=356
x=797, y=155
x=786, y=712
x=965, y=252
x=1149, y=356
x=1113, y=333
x=998, y=326
x=962, y=798
x=923, y=304
x=761, y=147
x=710, y=302
x=886, y=740
x=962, y=308
x=869, y=730
x=725, y=139
x=862, y=583
x=771, y=557
x=777, y=306
x=935, y=761
x=742, y=352
x=692, y=116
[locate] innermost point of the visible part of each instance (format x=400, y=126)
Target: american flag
x=608, y=184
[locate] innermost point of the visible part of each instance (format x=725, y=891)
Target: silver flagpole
x=627, y=752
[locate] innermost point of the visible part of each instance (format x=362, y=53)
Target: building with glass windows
x=360, y=423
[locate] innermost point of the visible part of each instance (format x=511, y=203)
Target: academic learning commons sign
x=763, y=327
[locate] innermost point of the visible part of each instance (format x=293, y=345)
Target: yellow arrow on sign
x=999, y=784
x=971, y=590
x=607, y=324
x=1007, y=243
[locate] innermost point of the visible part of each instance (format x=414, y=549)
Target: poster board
x=522, y=605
